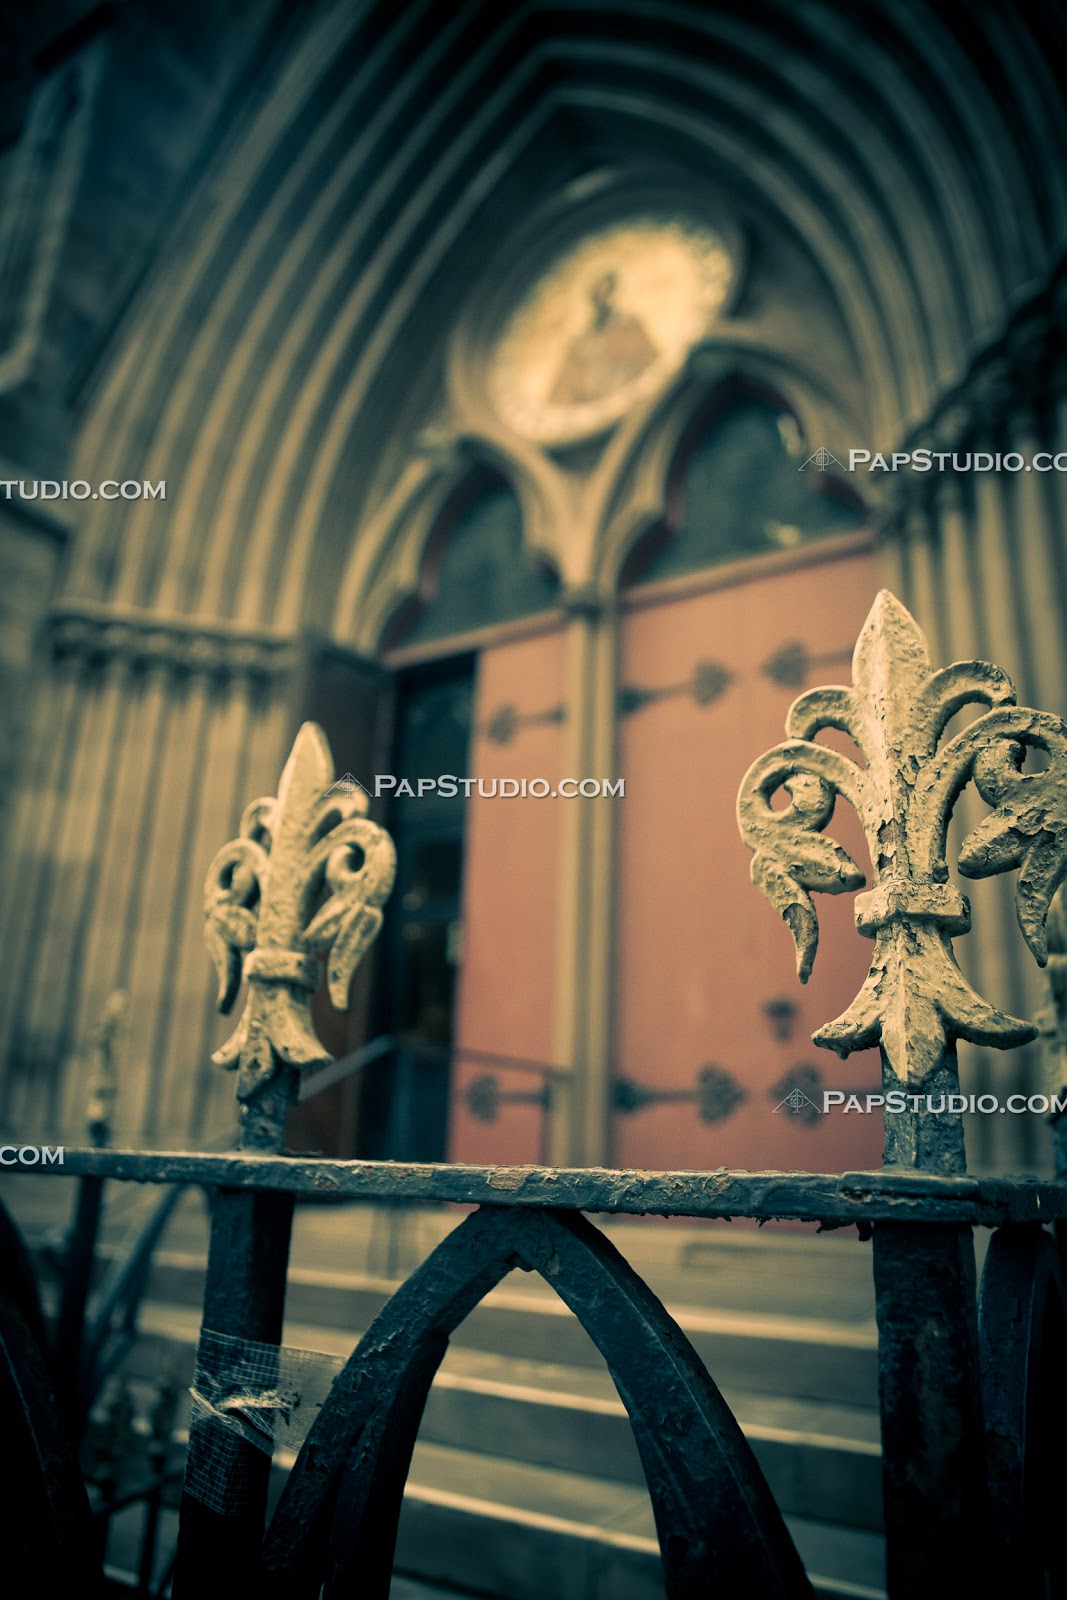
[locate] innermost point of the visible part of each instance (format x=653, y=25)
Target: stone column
x=982, y=954
x=581, y=1125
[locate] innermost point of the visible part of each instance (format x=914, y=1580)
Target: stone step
x=486, y=1527
x=526, y=1478
x=523, y=1380
x=509, y=1531
x=821, y=1460
x=812, y=1471
x=809, y=1358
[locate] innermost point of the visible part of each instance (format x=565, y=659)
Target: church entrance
x=404, y=1100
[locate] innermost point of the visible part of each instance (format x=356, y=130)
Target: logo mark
x=821, y=461
x=348, y=785
x=798, y=1102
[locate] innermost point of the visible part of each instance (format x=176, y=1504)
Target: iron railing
x=970, y=1407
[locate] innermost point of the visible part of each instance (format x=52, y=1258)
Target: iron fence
x=970, y=1406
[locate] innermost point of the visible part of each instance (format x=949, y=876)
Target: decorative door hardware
x=717, y=1095
x=507, y=721
x=791, y=665
x=781, y=1014
x=484, y=1097
x=708, y=683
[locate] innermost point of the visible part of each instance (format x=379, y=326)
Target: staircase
x=526, y=1480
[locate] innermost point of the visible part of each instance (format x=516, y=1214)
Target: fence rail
x=836, y=1200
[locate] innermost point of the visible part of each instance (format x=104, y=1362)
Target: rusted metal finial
x=306, y=877
x=915, y=1002
x=103, y=1086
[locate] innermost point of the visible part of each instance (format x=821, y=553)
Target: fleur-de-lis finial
x=307, y=876
x=106, y=1044
x=915, y=1002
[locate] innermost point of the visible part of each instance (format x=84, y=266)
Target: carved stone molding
x=1010, y=388
x=98, y=634
x=1017, y=376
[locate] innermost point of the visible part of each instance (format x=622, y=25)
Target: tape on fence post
x=267, y=1395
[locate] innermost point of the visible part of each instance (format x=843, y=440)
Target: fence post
x=915, y=1004
x=306, y=877
x=79, y=1257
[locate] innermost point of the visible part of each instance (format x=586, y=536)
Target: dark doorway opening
x=405, y=1094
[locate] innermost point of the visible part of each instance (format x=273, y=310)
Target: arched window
x=477, y=571
x=740, y=487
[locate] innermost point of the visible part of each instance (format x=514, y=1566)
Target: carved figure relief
x=607, y=355
x=607, y=325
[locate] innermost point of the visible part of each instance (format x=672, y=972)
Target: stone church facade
x=504, y=365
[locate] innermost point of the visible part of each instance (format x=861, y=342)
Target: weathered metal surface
x=73, y=1363
x=1053, y=1025
x=1023, y=1333
x=720, y=1531
x=915, y=1004
x=306, y=877
x=244, y=1296
x=936, y=1505
x=834, y=1198
x=103, y=1085
x=915, y=1001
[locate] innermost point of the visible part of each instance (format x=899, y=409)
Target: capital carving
x=142, y=640
x=915, y=1001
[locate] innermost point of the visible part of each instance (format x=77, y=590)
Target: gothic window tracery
x=740, y=487
x=476, y=570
